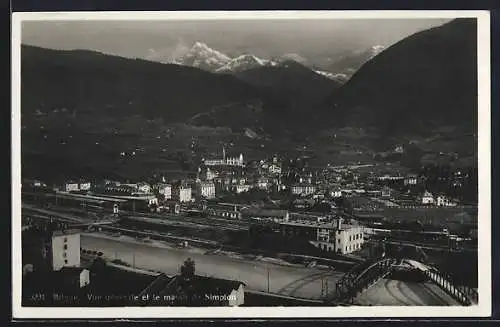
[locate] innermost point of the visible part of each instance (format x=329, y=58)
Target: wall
x=84, y=278
x=348, y=241
x=71, y=187
x=343, y=241
x=167, y=192
x=69, y=257
x=239, y=294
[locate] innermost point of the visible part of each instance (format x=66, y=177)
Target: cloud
x=168, y=54
x=294, y=56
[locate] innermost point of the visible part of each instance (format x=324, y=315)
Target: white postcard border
x=484, y=148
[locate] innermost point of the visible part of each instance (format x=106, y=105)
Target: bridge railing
x=360, y=277
x=465, y=295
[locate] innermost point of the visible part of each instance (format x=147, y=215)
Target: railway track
x=153, y=218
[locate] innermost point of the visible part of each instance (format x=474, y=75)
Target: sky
x=156, y=40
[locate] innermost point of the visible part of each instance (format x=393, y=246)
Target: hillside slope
x=300, y=89
x=424, y=81
x=88, y=81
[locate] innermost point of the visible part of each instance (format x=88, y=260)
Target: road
x=400, y=293
x=290, y=280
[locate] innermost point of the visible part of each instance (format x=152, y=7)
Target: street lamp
x=268, y=289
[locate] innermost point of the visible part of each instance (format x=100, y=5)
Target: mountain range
x=424, y=83
x=200, y=55
x=426, y=80
x=345, y=66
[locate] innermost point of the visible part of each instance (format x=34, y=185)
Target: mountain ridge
x=383, y=92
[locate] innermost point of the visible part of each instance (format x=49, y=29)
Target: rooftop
x=315, y=224
x=66, y=232
x=88, y=197
x=266, y=212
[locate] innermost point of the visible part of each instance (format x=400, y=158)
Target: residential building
x=122, y=189
x=204, y=291
x=205, y=190
x=399, y=149
x=134, y=186
x=165, y=190
x=136, y=200
x=388, y=177
x=182, y=193
x=386, y=192
x=210, y=174
x=303, y=189
x=144, y=188
x=225, y=161
x=274, y=169
x=427, y=198
x=62, y=249
x=334, y=236
x=444, y=201
x=262, y=183
x=411, y=180
x=339, y=237
x=225, y=210
x=172, y=207
x=240, y=188
x=34, y=183
x=336, y=192
x=71, y=186
x=85, y=186
x=267, y=214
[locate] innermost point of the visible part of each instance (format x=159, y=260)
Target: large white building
x=444, y=201
x=210, y=174
x=71, y=186
x=144, y=187
x=182, y=193
x=225, y=160
x=63, y=249
x=205, y=190
x=85, y=186
x=165, y=190
x=411, y=180
x=336, y=192
x=340, y=238
x=241, y=188
x=303, y=189
x=427, y=198
x=336, y=237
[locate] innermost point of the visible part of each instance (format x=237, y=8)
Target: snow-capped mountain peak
x=202, y=56
x=339, y=77
x=244, y=62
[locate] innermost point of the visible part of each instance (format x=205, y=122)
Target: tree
x=186, y=282
x=344, y=204
x=322, y=207
x=188, y=269
x=98, y=265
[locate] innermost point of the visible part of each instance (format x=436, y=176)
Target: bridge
x=363, y=275
x=358, y=278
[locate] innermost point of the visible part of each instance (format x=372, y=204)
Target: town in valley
x=248, y=199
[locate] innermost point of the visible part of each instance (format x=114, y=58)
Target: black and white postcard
x=251, y=164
